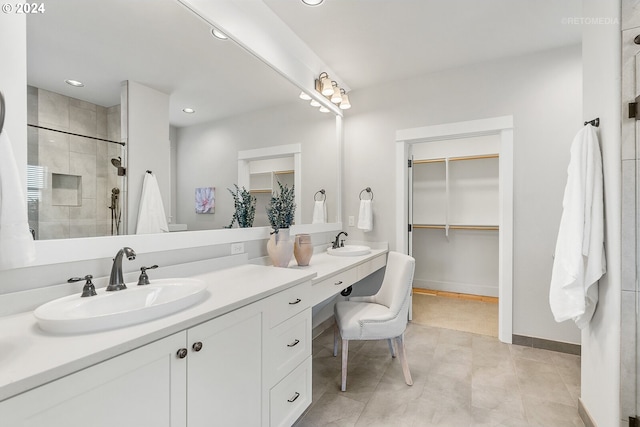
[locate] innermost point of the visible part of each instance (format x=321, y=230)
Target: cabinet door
x=144, y=387
x=224, y=379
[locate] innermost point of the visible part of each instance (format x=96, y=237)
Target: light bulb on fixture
x=344, y=104
x=74, y=83
x=326, y=88
x=305, y=96
x=314, y=103
x=312, y=2
x=336, y=97
x=324, y=109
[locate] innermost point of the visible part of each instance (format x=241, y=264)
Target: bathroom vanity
x=241, y=357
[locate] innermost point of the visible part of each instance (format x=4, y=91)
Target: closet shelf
x=453, y=159
x=457, y=227
x=261, y=190
x=285, y=172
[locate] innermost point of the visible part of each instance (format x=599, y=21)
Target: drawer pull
x=295, y=302
x=197, y=346
x=293, y=344
x=293, y=399
x=338, y=283
x=182, y=353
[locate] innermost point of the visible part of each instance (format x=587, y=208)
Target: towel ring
x=2, y=111
x=149, y=172
x=323, y=196
x=368, y=190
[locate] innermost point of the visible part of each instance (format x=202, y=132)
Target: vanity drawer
x=371, y=266
x=288, y=303
x=289, y=399
x=287, y=345
x=327, y=288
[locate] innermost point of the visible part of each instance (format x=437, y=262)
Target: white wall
x=148, y=146
x=601, y=52
x=543, y=93
x=207, y=156
x=13, y=84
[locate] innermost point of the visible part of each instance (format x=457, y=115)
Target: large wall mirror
x=81, y=180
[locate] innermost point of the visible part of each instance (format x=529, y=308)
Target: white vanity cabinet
x=215, y=373
x=144, y=387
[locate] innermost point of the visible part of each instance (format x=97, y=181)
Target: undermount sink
x=349, y=250
x=109, y=310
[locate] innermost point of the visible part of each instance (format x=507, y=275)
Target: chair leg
x=336, y=332
x=403, y=359
x=345, y=354
x=392, y=349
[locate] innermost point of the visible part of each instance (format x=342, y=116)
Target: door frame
x=502, y=126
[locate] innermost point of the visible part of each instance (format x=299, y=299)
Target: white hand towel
x=17, y=248
x=365, y=217
x=319, y=212
x=151, y=216
x=579, y=257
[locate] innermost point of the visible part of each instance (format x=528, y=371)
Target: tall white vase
x=280, y=248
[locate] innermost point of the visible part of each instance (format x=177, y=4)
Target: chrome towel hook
x=2, y=111
x=368, y=190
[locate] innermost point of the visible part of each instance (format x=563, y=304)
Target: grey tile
x=628, y=218
x=498, y=399
x=53, y=151
x=545, y=413
x=628, y=366
x=332, y=410
x=53, y=110
x=85, y=212
x=101, y=122
x=79, y=144
x=53, y=230
x=83, y=121
x=630, y=14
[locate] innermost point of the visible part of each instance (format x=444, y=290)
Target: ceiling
x=163, y=45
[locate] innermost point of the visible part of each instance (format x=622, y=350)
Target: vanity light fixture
x=74, y=83
x=330, y=90
x=312, y=2
x=219, y=34
x=188, y=110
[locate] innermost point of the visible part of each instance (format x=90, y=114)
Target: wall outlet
x=352, y=221
x=237, y=248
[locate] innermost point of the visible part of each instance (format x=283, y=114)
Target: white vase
x=280, y=248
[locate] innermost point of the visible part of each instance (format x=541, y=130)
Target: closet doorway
x=455, y=215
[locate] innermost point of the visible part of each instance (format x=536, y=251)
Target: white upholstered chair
x=380, y=316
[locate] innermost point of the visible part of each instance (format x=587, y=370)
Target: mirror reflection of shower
x=116, y=212
x=117, y=163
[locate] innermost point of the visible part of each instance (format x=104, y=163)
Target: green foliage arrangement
x=245, y=205
x=281, y=208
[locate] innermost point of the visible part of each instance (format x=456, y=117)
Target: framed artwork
x=205, y=200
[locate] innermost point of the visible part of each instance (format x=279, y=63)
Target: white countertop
x=325, y=265
x=30, y=357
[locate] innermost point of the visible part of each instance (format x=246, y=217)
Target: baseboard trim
x=561, y=347
x=584, y=415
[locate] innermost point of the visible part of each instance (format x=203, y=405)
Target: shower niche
x=75, y=172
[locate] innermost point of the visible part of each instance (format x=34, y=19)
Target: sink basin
x=349, y=250
x=109, y=310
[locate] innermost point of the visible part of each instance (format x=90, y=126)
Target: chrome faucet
x=116, y=281
x=336, y=243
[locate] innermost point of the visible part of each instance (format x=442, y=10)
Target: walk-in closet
x=454, y=225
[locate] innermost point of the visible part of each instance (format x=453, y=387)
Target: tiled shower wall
x=629, y=298
x=73, y=176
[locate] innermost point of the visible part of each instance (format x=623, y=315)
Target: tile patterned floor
x=460, y=379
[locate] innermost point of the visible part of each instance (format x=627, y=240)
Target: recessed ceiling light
x=74, y=83
x=219, y=34
x=188, y=110
x=312, y=2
